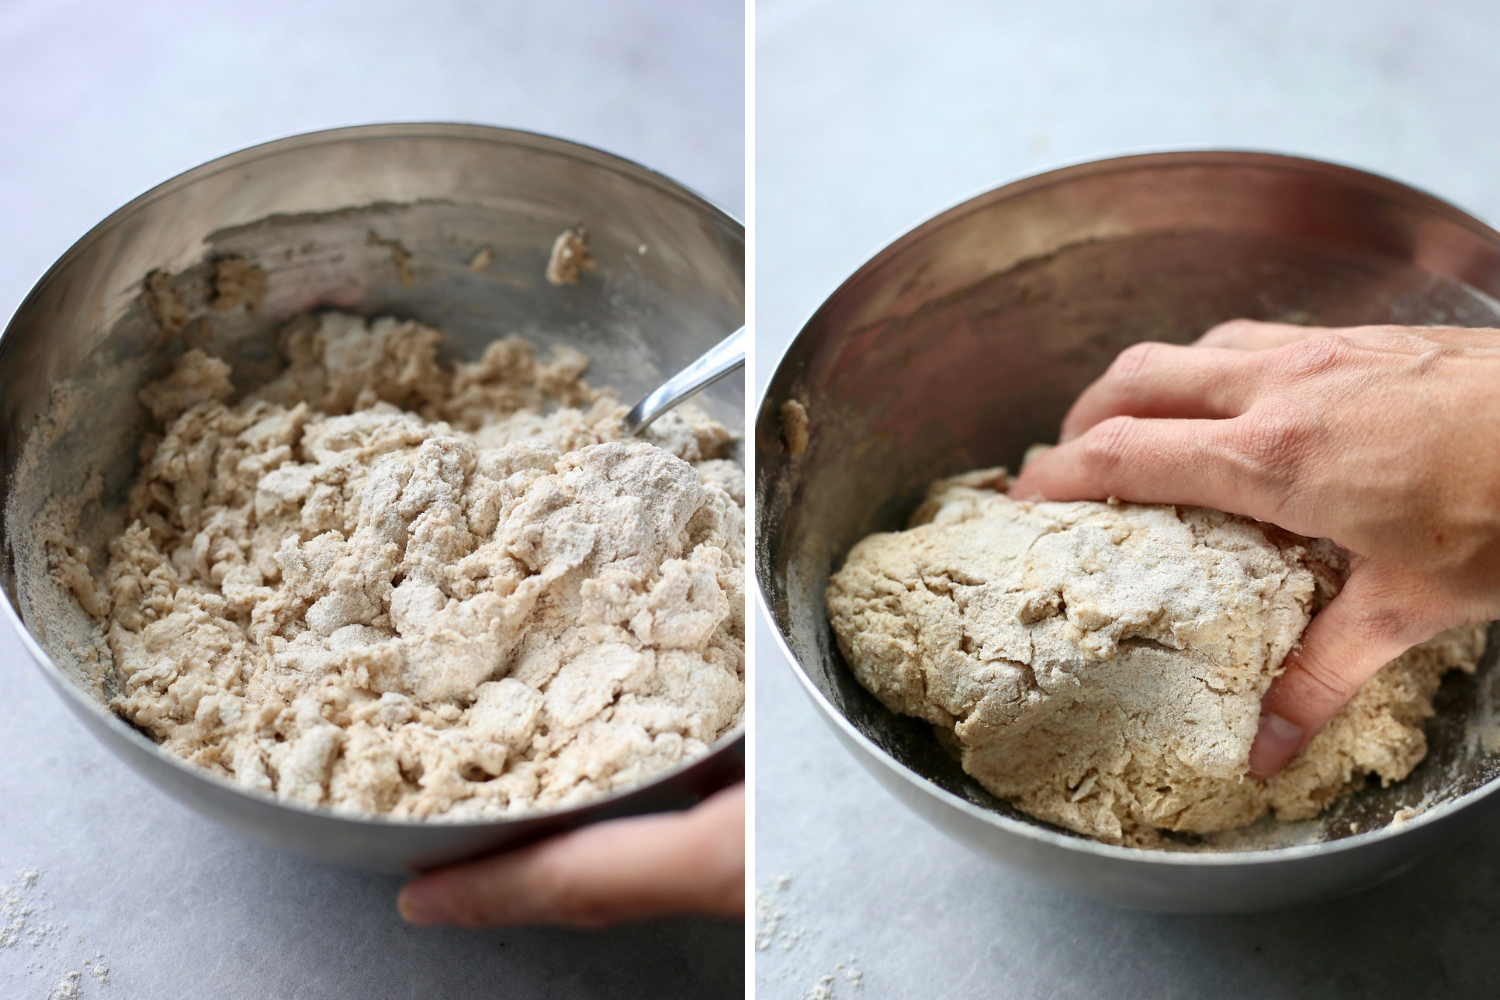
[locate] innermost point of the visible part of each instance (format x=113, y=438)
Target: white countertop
x=871, y=117
x=99, y=101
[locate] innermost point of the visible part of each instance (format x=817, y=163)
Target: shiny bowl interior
x=964, y=342
x=381, y=220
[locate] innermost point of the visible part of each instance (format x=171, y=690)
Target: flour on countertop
x=382, y=586
x=770, y=914
x=852, y=973
x=67, y=988
x=1101, y=665
x=33, y=945
x=820, y=990
x=20, y=912
x=777, y=923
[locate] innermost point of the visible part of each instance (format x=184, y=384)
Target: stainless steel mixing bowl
x=965, y=340
x=382, y=219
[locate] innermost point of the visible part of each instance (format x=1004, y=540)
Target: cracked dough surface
x=1101, y=665
x=386, y=587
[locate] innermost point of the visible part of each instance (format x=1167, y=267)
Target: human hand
x=625, y=869
x=1381, y=438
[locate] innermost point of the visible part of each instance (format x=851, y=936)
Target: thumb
x=625, y=869
x=1361, y=630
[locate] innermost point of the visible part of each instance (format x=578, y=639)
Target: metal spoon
x=724, y=357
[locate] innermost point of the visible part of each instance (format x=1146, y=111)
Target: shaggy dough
x=794, y=426
x=1101, y=665
x=570, y=257
x=384, y=587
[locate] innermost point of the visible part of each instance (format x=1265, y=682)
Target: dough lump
x=569, y=258
x=1101, y=665
x=385, y=587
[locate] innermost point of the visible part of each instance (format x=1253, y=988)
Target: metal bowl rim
x=1184, y=156
x=1026, y=184
x=250, y=154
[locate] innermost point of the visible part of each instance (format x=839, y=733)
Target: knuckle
x=1270, y=443
x=1387, y=624
x=1318, y=356
x=1338, y=678
x=1320, y=682
x=1130, y=363
x=1230, y=333
x=1389, y=612
x=1379, y=619
x=1106, y=446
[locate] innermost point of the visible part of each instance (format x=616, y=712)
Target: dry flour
x=21, y=912
x=34, y=946
x=69, y=987
x=780, y=931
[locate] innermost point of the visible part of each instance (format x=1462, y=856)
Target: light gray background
x=872, y=116
x=100, y=100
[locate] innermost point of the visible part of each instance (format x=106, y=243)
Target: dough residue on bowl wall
x=1101, y=665
x=570, y=257
x=386, y=586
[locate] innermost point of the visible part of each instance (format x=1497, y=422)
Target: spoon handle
x=721, y=359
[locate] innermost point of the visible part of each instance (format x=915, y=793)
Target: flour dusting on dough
x=383, y=586
x=1101, y=665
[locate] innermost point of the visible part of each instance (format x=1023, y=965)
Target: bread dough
x=238, y=282
x=570, y=257
x=385, y=587
x=1101, y=665
x=794, y=426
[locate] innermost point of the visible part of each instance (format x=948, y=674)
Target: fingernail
x=1275, y=742
x=417, y=904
